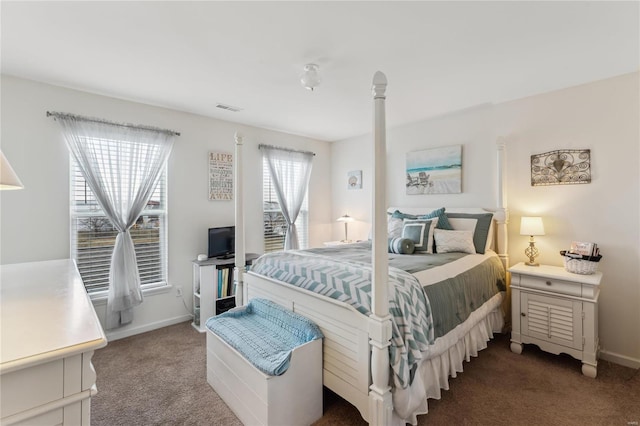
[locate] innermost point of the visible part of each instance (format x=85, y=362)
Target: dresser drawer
x=31, y=387
x=550, y=284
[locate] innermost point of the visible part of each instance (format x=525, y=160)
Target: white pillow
x=454, y=241
x=394, y=227
x=481, y=224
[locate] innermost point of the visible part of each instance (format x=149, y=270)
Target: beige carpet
x=158, y=378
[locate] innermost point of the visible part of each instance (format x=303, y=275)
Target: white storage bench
x=259, y=334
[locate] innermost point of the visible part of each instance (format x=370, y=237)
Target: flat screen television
x=222, y=242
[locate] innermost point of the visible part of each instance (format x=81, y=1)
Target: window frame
x=302, y=221
x=156, y=286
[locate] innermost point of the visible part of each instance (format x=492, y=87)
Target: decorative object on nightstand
x=581, y=258
x=346, y=219
x=8, y=177
x=531, y=226
x=557, y=311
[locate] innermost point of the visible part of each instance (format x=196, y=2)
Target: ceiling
x=439, y=57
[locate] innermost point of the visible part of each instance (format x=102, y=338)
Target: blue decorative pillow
x=401, y=246
x=479, y=223
x=443, y=221
x=399, y=215
x=420, y=231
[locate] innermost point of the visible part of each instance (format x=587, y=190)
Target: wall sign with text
x=220, y=176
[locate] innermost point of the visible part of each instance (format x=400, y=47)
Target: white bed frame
x=355, y=349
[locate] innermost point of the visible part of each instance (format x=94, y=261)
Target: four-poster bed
x=356, y=350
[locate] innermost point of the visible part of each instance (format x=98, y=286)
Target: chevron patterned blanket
x=350, y=282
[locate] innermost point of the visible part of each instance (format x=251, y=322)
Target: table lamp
x=531, y=226
x=346, y=219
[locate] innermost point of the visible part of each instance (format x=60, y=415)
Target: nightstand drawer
x=550, y=284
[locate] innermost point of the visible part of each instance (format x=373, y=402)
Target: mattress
x=462, y=283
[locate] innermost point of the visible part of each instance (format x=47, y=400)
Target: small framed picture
x=354, y=179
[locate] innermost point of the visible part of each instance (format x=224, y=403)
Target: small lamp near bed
x=531, y=226
x=346, y=219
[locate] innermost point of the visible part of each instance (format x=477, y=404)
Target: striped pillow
x=401, y=246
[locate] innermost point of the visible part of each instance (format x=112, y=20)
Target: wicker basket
x=586, y=266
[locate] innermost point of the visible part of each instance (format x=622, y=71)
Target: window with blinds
x=275, y=226
x=93, y=236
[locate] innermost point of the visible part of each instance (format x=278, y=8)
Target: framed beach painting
x=435, y=171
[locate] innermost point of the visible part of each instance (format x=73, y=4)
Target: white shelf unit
x=557, y=311
x=206, y=302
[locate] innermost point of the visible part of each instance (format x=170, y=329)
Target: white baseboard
x=623, y=360
x=121, y=334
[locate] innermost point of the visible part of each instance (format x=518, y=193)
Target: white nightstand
x=556, y=310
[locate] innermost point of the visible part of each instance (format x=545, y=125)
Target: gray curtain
x=121, y=165
x=290, y=172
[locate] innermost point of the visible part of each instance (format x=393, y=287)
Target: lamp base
x=531, y=252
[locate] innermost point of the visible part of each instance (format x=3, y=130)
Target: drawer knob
x=523, y=314
x=548, y=282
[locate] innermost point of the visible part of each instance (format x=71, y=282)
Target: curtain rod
x=285, y=149
x=98, y=120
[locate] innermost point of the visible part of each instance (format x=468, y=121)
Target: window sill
x=100, y=298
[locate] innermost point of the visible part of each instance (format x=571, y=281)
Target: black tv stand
x=226, y=256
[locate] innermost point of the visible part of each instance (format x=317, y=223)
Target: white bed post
x=380, y=401
x=238, y=196
x=502, y=214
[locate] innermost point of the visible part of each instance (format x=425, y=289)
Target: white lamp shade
x=8, y=178
x=345, y=218
x=531, y=226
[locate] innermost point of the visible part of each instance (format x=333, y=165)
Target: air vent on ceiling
x=228, y=107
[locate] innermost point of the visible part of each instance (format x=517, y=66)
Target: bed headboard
x=497, y=240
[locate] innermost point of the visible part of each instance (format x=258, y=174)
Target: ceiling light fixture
x=310, y=79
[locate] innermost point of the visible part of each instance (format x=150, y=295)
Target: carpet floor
x=159, y=378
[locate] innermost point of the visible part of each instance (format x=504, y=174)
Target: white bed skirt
x=445, y=359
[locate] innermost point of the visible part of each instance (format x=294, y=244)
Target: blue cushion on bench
x=264, y=333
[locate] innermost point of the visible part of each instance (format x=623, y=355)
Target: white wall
x=602, y=116
x=34, y=222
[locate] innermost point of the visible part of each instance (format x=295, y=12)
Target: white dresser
x=49, y=331
x=556, y=310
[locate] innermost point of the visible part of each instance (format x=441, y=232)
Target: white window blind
x=275, y=226
x=93, y=236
